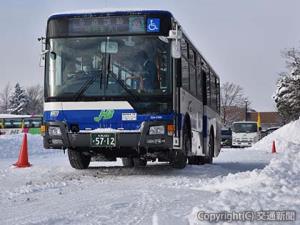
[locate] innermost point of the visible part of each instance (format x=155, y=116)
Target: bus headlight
x=54, y=131
x=157, y=130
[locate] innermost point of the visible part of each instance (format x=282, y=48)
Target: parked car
x=270, y=130
x=226, y=137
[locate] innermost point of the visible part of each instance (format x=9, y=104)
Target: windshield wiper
x=85, y=86
x=122, y=84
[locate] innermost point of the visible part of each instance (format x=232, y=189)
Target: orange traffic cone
x=23, y=155
x=273, y=147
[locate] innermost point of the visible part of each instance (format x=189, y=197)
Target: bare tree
x=232, y=101
x=4, y=98
x=35, y=104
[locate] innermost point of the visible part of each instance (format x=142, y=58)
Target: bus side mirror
x=175, y=36
x=175, y=49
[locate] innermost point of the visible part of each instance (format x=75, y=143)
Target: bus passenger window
x=199, y=80
x=193, y=80
x=184, y=48
x=192, y=57
x=213, y=91
x=218, y=94
x=185, y=73
x=208, y=89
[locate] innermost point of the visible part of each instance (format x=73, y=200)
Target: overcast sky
x=242, y=40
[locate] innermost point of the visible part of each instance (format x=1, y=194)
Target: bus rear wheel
x=195, y=160
x=211, y=143
x=78, y=160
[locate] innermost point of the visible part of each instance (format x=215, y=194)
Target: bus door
x=206, y=101
x=177, y=82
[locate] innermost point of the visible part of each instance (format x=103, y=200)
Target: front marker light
x=171, y=129
x=54, y=131
x=157, y=130
x=43, y=130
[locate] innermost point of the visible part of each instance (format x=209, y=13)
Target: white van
x=244, y=134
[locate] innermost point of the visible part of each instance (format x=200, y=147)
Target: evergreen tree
x=18, y=101
x=287, y=95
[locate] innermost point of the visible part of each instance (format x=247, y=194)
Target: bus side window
x=199, y=79
x=6, y=123
x=17, y=123
x=185, y=65
x=26, y=123
x=208, y=89
x=193, y=84
x=213, y=91
x=184, y=48
x=218, y=95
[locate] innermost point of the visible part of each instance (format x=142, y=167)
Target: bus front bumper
x=139, y=141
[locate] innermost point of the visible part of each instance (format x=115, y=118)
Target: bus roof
x=109, y=12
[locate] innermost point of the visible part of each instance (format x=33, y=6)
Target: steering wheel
x=83, y=75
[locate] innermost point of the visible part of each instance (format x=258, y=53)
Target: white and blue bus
x=130, y=85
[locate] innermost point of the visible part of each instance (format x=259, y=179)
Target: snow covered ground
x=51, y=192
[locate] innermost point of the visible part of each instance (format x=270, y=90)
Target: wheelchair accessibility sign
x=153, y=25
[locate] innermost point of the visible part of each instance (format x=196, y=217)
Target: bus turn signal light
x=171, y=129
x=43, y=130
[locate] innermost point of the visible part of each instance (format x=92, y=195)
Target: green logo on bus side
x=106, y=114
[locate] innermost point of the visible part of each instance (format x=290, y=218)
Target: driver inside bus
x=146, y=73
x=78, y=67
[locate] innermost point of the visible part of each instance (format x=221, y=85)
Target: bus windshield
x=83, y=67
x=245, y=127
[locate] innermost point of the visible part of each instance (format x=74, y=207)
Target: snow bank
x=10, y=145
x=276, y=187
x=13, y=116
x=285, y=138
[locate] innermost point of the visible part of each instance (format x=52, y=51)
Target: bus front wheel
x=78, y=160
x=180, y=155
x=127, y=162
x=137, y=162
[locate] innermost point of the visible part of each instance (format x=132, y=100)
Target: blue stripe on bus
x=86, y=119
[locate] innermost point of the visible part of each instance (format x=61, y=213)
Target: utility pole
x=246, y=110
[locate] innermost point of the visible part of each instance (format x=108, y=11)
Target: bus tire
x=78, y=160
x=138, y=162
x=194, y=160
x=180, y=155
x=127, y=162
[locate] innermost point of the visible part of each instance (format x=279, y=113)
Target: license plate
x=103, y=140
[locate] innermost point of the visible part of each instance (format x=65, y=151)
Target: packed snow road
x=51, y=192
